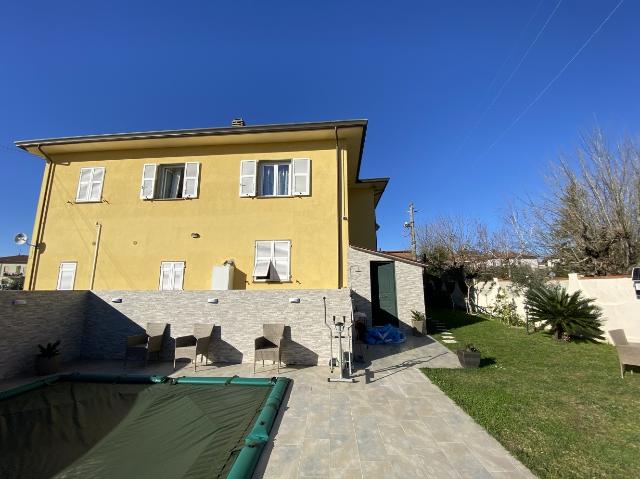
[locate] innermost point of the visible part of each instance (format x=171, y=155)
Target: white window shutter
x=301, y=176
x=66, y=276
x=282, y=259
x=178, y=275
x=190, y=186
x=166, y=276
x=84, y=184
x=248, y=173
x=148, y=181
x=171, y=275
x=262, y=264
x=97, y=179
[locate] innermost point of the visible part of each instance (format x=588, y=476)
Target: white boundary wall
x=616, y=297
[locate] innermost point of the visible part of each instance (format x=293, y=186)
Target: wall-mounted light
x=116, y=300
x=195, y=235
x=294, y=300
x=212, y=300
x=19, y=302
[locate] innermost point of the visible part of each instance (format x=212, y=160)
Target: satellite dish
x=20, y=239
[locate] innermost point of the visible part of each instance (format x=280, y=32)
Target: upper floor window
x=90, y=184
x=170, y=181
x=171, y=275
x=275, y=178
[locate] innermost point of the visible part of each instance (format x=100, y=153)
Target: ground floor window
x=66, y=276
x=272, y=261
x=171, y=275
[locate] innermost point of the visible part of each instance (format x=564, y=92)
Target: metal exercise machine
x=341, y=330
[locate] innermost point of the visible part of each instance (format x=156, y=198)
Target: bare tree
x=590, y=219
x=448, y=240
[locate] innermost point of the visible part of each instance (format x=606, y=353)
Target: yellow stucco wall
x=362, y=221
x=137, y=235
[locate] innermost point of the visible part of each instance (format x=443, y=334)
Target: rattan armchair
x=195, y=344
x=150, y=342
x=269, y=345
x=628, y=353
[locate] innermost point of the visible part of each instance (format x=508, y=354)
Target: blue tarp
x=384, y=335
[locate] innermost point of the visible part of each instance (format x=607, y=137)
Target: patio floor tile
x=391, y=422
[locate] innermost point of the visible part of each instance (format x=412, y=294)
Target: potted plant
x=469, y=356
x=418, y=320
x=48, y=361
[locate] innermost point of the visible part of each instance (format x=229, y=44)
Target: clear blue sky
x=422, y=73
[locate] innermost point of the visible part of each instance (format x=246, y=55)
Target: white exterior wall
x=616, y=297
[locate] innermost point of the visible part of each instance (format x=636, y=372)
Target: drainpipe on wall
x=339, y=173
x=95, y=255
x=40, y=228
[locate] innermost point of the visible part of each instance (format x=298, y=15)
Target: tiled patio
x=392, y=422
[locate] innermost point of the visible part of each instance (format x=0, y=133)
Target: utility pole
x=411, y=224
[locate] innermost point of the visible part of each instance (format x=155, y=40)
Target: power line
x=515, y=45
x=511, y=75
x=554, y=79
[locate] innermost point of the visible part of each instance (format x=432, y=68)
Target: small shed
x=385, y=286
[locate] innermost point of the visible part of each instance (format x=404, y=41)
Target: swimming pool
x=80, y=425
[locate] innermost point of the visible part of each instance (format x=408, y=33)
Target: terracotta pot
x=468, y=359
x=45, y=366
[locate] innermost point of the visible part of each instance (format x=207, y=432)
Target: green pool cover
x=136, y=426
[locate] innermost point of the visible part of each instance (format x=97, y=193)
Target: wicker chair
x=628, y=353
x=150, y=342
x=195, y=344
x=269, y=345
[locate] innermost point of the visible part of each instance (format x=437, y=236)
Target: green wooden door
x=383, y=293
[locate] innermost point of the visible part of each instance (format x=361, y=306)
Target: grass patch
x=560, y=408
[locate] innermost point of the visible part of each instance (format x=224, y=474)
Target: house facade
x=280, y=204
x=237, y=226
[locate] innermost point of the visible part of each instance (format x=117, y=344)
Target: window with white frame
x=171, y=275
x=275, y=178
x=272, y=261
x=170, y=181
x=66, y=276
x=90, y=184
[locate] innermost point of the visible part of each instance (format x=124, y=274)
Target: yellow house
x=278, y=204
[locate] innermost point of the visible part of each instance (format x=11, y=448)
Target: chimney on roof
x=237, y=122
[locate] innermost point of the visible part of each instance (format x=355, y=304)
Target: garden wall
x=238, y=317
x=615, y=296
x=90, y=325
x=46, y=316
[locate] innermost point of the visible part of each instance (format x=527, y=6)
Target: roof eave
x=235, y=130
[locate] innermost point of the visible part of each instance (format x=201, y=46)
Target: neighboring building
x=12, y=270
x=163, y=209
x=512, y=258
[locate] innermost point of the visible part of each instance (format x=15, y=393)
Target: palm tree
x=564, y=313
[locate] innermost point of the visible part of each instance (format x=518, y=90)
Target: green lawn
x=560, y=408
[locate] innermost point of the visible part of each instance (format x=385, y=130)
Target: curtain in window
x=283, y=179
x=267, y=180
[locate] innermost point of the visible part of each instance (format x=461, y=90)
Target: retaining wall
x=90, y=325
x=238, y=318
x=46, y=316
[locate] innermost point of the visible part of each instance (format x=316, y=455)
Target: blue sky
x=422, y=72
